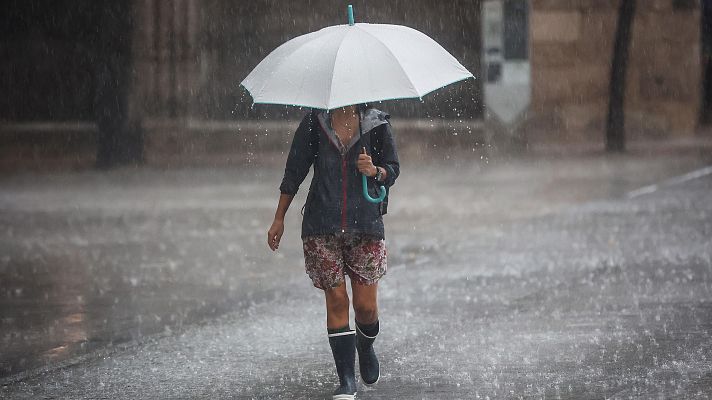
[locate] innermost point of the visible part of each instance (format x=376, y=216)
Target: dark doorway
x=47, y=70
x=70, y=60
x=516, y=30
x=706, y=57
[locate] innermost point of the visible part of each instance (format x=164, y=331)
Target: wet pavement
x=535, y=277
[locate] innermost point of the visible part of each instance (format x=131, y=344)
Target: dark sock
x=370, y=330
x=346, y=328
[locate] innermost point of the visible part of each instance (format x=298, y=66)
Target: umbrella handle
x=368, y=197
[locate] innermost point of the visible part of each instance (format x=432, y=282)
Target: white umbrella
x=351, y=64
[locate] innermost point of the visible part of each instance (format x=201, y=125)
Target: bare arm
x=301, y=156
x=274, y=235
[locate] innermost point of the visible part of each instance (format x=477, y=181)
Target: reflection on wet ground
x=90, y=260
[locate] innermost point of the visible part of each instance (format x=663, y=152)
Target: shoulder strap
x=375, y=143
x=372, y=141
x=375, y=139
x=314, y=131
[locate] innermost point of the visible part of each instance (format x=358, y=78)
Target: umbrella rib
x=301, y=82
x=331, y=86
x=412, y=85
x=280, y=64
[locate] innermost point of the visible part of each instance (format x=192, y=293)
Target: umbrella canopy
x=351, y=64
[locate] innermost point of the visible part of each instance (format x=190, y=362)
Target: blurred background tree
x=615, y=124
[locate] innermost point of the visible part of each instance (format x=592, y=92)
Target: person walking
x=342, y=232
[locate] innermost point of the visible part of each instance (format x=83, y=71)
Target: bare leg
x=365, y=302
x=337, y=307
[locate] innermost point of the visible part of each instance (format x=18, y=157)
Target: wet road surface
x=533, y=278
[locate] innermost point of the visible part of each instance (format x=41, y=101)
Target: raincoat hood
x=372, y=118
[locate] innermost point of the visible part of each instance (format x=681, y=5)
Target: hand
x=274, y=235
x=365, y=165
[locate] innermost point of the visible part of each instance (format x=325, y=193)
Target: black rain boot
x=343, y=347
x=367, y=360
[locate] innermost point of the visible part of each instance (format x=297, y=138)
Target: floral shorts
x=328, y=257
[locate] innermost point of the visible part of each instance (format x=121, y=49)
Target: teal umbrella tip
x=351, y=15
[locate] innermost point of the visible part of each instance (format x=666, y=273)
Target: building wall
x=165, y=57
x=665, y=78
x=571, y=52
x=187, y=60
x=192, y=54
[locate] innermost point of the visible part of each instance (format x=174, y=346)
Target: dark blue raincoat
x=335, y=202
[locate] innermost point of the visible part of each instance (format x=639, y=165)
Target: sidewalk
x=530, y=277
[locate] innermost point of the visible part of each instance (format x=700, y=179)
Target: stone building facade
x=571, y=52
x=188, y=57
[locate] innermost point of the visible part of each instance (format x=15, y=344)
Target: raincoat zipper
x=343, y=191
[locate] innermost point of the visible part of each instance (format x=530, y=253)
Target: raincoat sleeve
x=389, y=156
x=301, y=157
